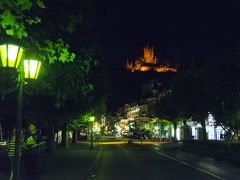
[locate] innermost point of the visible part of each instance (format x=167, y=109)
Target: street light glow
x=31, y=68
x=11, y=55
x=92, y=118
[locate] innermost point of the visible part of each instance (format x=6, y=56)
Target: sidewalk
x=223, y=156
x=72, y=163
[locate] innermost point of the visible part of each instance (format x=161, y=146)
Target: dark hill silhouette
x=127, y=86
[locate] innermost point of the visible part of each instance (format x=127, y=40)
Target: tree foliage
x=54, y=32
x=212, y=88
x=15, y=16
x=221, y=76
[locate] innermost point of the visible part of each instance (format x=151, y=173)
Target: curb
x=92, y=169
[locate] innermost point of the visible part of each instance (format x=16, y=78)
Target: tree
x=70, y=94
x=194, y=101
x=64, y=84
x=221, y=78
x=167, y=108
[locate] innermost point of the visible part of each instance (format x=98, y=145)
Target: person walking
x=31, y=152
x=11, y=151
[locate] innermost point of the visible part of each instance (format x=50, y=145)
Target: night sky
x=179, y=30
x=193, y=27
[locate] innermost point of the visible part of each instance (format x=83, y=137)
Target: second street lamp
x=92, y=120
x=31, y=68
x=12, y=56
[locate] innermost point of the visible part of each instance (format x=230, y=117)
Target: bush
x=235, y=147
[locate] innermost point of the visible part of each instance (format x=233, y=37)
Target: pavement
x=74, y=163
x=78, y=161
x=220, y=156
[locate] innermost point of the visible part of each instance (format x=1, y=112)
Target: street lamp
x=12, y=56
x=92, y=120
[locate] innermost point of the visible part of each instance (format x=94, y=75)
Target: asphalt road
x=154, y=161
x=113, y=158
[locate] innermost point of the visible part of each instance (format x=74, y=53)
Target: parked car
x=125, y=133
x=83, y=136
x=142, y=135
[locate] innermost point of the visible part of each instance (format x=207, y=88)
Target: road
x=154, y=161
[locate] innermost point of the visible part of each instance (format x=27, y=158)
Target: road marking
x=189, y=165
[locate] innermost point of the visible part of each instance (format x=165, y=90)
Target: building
x=149, y=72
x=138, y=115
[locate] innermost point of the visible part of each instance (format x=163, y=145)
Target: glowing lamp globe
x=92, y=118
x=31, y=68
x=10, y=55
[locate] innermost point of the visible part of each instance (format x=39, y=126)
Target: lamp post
x=92, y=120
x=12, y=56
x=160, y=131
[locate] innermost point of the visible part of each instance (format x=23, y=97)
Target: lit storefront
x=213, y=132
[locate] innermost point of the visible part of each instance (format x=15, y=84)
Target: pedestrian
x=11, y=150
x=31, y=152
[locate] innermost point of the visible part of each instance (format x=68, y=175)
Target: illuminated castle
x=149, y=63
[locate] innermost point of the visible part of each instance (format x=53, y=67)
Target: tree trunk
x=50, y=146
x=175, y=131
x=204, y=135
x=74, y=137
x=65, y=136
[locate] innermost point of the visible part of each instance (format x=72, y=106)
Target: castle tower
x=149, y=55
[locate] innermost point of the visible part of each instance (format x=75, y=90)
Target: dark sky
x=126, y=26
x=178, y=29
